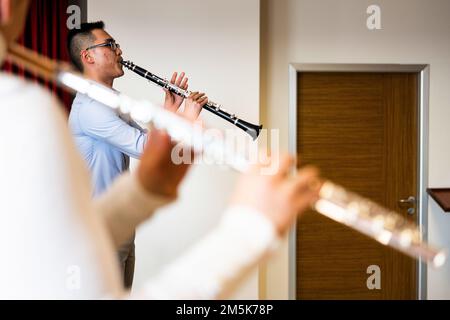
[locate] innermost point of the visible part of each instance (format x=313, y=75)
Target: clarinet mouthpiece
x=127, y=64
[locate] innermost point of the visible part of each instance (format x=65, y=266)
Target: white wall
x=217, y=44
x=330, y=31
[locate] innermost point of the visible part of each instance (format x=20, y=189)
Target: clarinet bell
x=252, y=129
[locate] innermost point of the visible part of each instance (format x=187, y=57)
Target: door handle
x=411, y=201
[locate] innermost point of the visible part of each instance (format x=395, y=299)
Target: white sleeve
x=216, y=265
x=125, y=205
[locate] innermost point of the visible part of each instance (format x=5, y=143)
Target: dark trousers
x=127, y=260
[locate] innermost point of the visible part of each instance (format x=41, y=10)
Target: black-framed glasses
x=114, y=46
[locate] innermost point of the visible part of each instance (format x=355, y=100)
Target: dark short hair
x=79, y=39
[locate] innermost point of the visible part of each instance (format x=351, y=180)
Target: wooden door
x=360, y=129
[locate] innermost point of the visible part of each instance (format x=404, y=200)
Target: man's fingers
x=180, y=79
x=203, y=101
x=196, y=96
x=193, y=94
x=174, y=78
x=184, y=84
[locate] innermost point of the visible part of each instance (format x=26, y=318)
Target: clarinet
x=252, y=129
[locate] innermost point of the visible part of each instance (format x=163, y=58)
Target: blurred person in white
x=50, y=226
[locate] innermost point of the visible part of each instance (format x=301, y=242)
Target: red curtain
x=46, y=32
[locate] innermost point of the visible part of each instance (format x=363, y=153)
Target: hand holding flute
x=279, y=197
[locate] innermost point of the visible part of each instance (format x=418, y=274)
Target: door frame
x=422, y=138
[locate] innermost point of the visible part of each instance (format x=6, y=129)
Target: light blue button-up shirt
x=105, y=138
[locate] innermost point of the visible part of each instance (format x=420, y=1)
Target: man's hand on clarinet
x=172, y=101
x=194, y=105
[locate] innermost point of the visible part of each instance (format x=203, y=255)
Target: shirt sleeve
x=125, y=205
x=134, y=124
x=102, y=123
x=216, y=265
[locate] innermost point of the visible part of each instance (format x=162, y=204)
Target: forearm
x=125, y=205
x=217, y=264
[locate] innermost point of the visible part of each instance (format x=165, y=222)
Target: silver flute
x=335, y=202
x=252, y=129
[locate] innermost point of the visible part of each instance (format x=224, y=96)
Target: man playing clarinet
x=106, y=138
